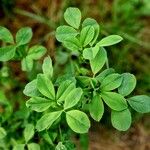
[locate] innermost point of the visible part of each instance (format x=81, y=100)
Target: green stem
x=61, y=138
x=107, y=64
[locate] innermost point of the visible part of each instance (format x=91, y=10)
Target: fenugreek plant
x=18, y=48
x=79, y=95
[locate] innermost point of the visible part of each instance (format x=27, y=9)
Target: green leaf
x=87, y=53
x=62, y=78
x=36, y=52
x=60, y=146
x=121, y=120
x=96, y=108
x=92, y=22
x=46, y=136
x=86, y=35
x=78, y=121
x=128, y=84
x=114, y=100
x=47, y=120
x=7, y=52
x=83, y=81
x=73, y=17
x=64, y=89
x=90, y=53
x=33, y=146
x=27, y=64
x=140, y=103
x=19, y=147
x=23, y=36
x=5, y=35
x=39, y=104
x=2, y=133
x=73, y=98
x=98, y=62
x=110, y=40
x=47, y=67
x=45, y=86
x=28, y=132
x=111, y=82
x=104, y=73
x=31, y=89
x=65, y=32
x=72, y=44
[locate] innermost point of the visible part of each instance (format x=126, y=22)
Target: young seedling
x=18, y=48
x=72, y=99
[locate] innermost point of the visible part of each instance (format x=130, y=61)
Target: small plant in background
x=88, y=88
x=19, y=49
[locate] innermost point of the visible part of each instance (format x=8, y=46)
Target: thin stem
x=61, y=138
x=107, y=64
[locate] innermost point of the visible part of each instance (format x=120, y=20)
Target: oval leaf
x=104, y=73
x=114, y=100
x=31, y=89
x=73, y=17
x=78, y=121
x=47, y=120
x=27, y=64
x=111, y=82
x=28, y=132
x=23, y=36
x=36, y=52
x=73, y=98
x=65, y=32
x=72, y=44
x=86, y=35
x=98, y=62
x=90, y=53
x=5, y=35
x=110, y=40
x=96, y=108
x=39, y=104
x=121, y=120
x=92, y=22
x=7, y=53
x=47, y=67
x=45, y=86
x=128, y=84
x=140, y=103
x=64, y=89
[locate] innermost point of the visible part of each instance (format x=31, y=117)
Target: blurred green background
x=128, y=18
